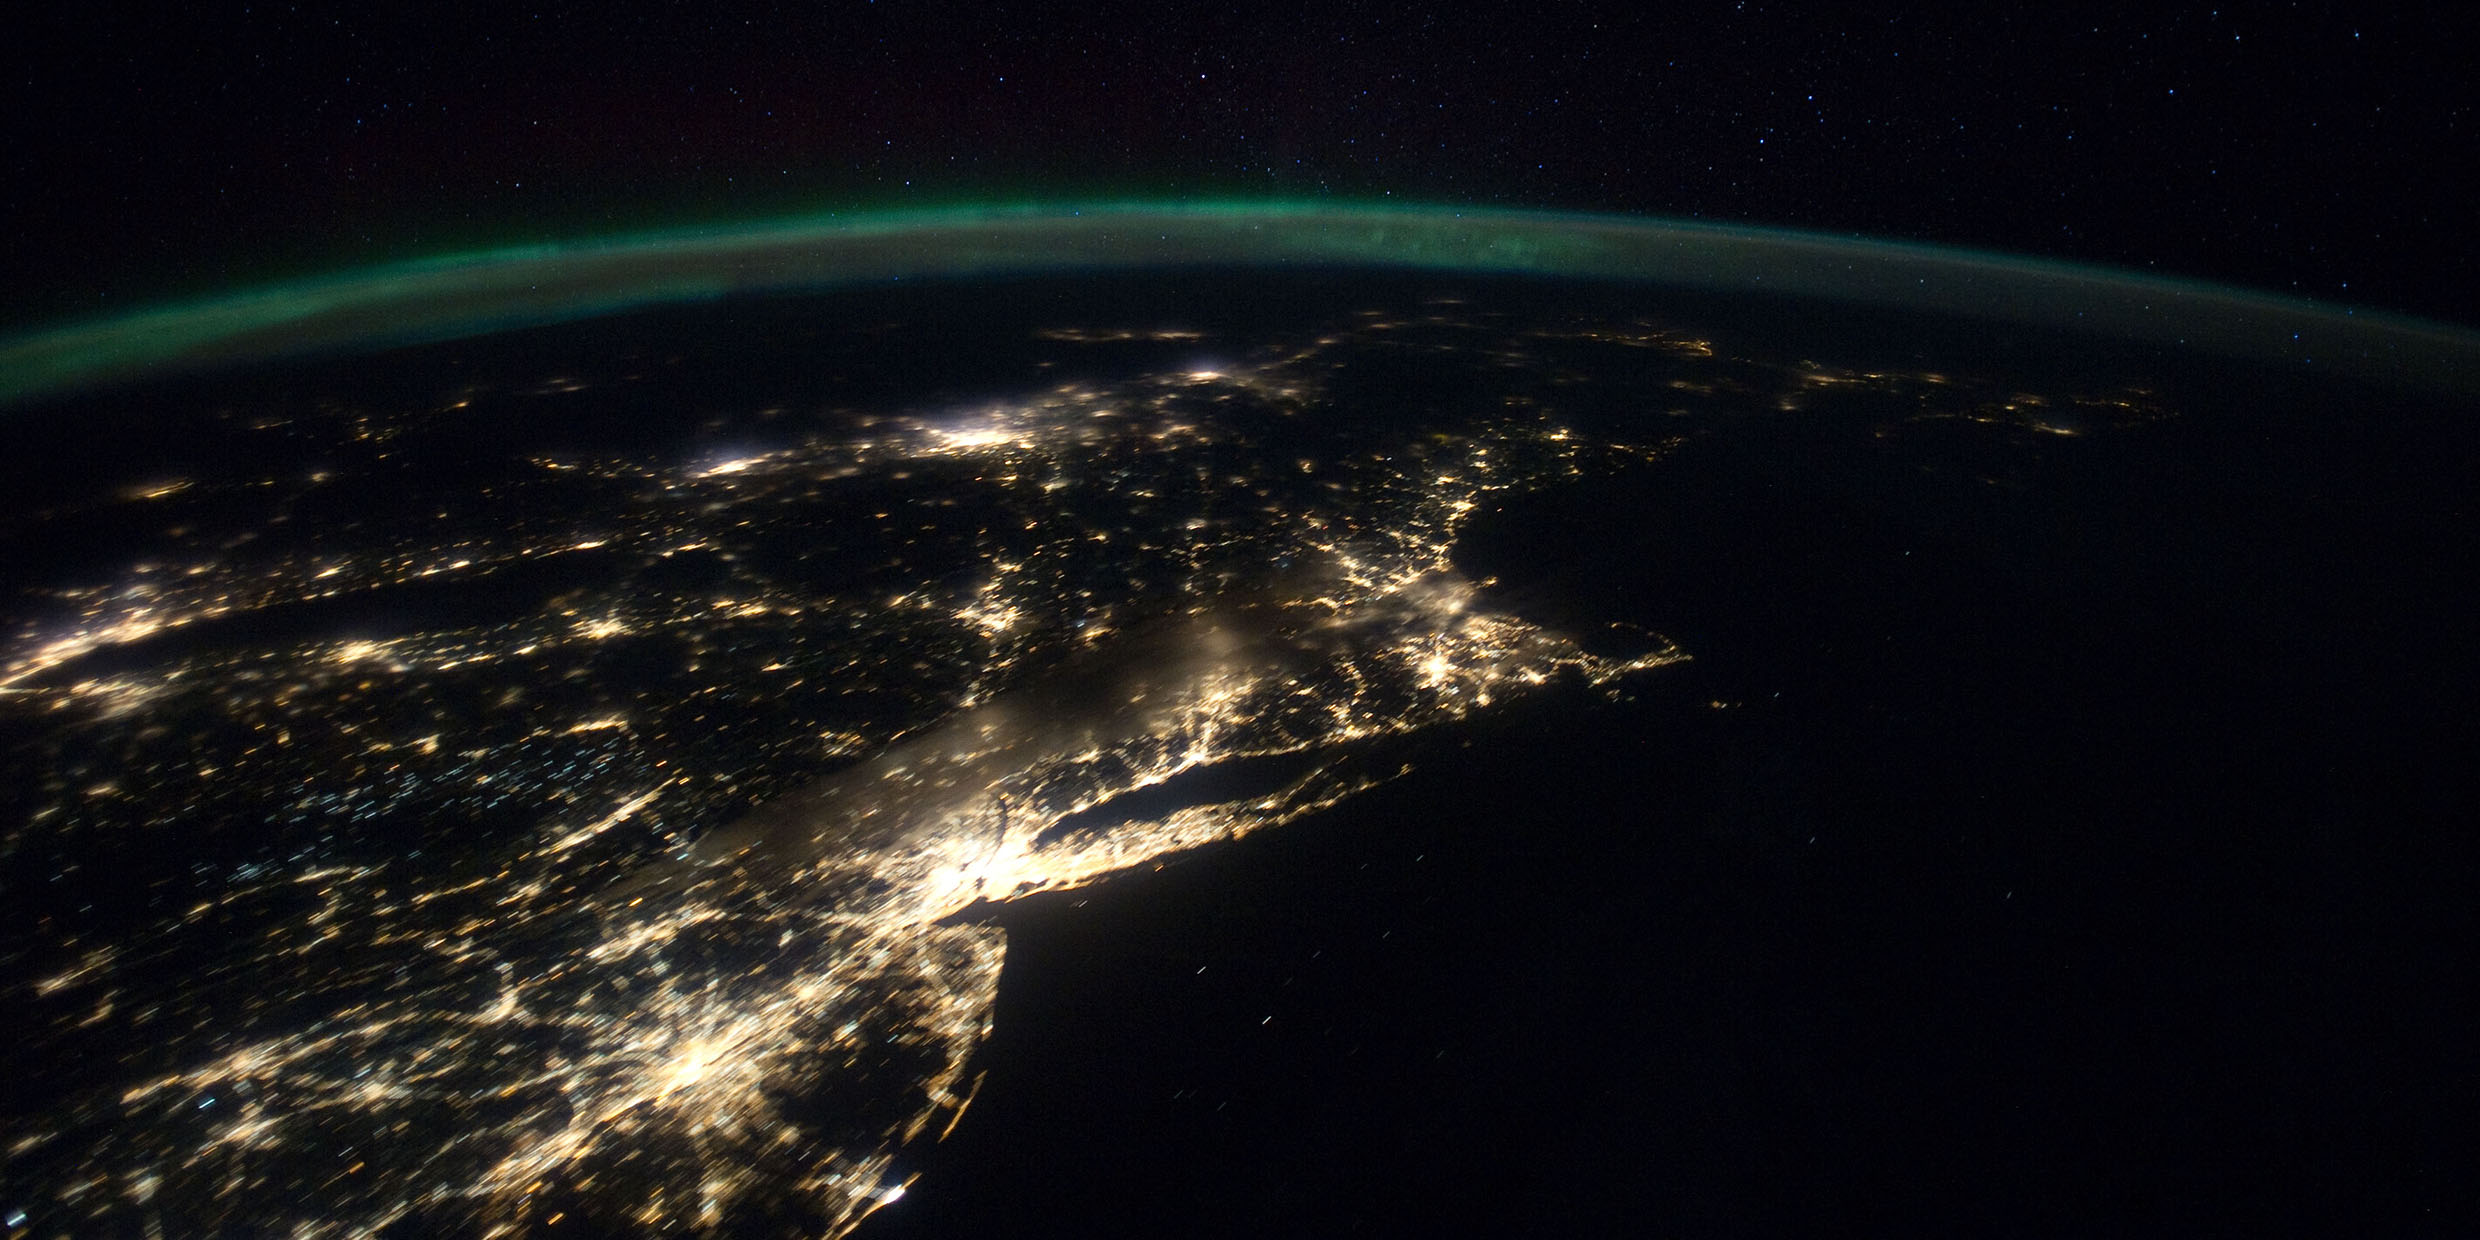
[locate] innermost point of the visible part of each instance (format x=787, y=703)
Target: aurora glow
x=472, y=293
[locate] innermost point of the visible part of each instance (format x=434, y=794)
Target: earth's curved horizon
x=477, y=292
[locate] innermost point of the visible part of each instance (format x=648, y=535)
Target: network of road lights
x=616, y=1007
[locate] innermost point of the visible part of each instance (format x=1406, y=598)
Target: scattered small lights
x=159, y=490
x=991, y=620
x=992, y=663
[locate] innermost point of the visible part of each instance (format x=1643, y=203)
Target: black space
x=2318, y=148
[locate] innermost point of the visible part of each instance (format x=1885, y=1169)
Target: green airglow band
x=482, y=291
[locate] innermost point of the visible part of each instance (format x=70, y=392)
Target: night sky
x=159, y=150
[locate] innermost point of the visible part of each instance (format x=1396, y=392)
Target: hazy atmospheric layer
x=467, y=293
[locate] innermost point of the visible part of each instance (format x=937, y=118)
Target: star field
x=2302, y=148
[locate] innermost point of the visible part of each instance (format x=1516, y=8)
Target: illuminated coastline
x=581, y=1019
x=571, y=913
